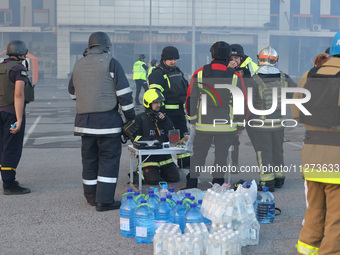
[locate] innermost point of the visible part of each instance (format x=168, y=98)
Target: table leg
x=140, y=173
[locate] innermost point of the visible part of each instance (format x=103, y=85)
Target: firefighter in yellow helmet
x=154, y=125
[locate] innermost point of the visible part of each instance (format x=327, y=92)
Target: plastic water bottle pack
x=169, y=239
x=234, y=210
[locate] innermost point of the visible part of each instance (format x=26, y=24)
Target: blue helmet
x=335, y=47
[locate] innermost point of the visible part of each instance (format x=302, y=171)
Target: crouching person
x=153, y=125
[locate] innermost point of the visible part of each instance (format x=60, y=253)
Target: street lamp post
x=193, y=38
x=150, y=31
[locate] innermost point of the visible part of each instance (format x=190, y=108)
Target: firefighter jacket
x=6, y=85
x=139, y=70
x=171, y=83
x=320, y=159
x=102, y=123
x=263, y=83
x=247, y=68
x=150, y=127
x=210, y=106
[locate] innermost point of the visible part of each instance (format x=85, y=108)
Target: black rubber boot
x=191, y=182
x=279, y=182
x=219, y=181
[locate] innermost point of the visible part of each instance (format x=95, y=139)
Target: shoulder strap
x=313, y=74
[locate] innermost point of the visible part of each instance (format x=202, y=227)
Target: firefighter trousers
x=321, y=232
x=158, y=167
x=139, y=84
x=100, y=158
x=201, y=146
x=11, y=147
x=269, y=153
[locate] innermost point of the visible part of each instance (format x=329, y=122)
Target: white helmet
x=267, y=56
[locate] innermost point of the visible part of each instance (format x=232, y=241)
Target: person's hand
x=239, y=132
x=232, y=64
x=161, y=115
x=15, y=128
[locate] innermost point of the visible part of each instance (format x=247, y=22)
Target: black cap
x=153, y=62
x=237, y=50
x=170, y=52
x=220, y=50
x=141, y=56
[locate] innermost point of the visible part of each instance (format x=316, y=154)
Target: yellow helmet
x=267, y=56
x=150, y=96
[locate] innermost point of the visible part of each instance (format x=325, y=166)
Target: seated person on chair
x=153, y=125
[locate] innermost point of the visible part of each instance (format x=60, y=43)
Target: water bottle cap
x=129, y=197
x=265, y=189
x=200, y=201
x=163, y=199
x=137, y=193
x=151, y=195
x=143, y=201
x=151, y=192
x=129, y=190
x=171, y=189
x=187, y=194
x=179, y=202
x=169, y=196
x=192, y=197
x=193, y=205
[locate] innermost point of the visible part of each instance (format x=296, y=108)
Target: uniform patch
x=24, y=73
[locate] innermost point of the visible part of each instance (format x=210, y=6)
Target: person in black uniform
x=267, y=130
x=170, y=81
x=205, y=84
x=99, y=83
x=13, y=77
x=154, y=125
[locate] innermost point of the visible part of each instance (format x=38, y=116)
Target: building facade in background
x=57, y=31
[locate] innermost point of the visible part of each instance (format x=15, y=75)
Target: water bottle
x=254, y=232
x=144, y=223
x=177, y=215
x=124, y=196
x=171, y=191
x=249, y=206
x=127, y=211
x=265, y=206
x=138, y=197
x=152, y=201
x=164, y=189
x=206, y=221
x=193, y=215
x=170, y=200
x=162, y=212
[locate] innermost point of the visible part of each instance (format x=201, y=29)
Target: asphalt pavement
x=55, y=217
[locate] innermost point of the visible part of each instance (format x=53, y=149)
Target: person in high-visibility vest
x=245, y=66
x=205, y=89
x=140, y=70
x=154, y=63
x=320, y=161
